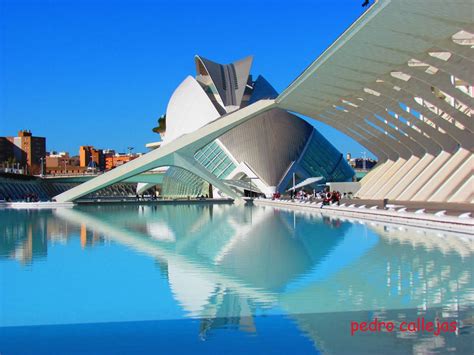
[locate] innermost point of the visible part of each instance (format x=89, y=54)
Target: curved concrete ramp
x=179, y=152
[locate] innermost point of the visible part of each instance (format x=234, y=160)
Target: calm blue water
x=225, y=279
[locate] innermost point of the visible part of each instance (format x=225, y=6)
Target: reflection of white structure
x=331, y=267
x=399, y=82
x=183, y=270
x=160, y=231
x=191, y=290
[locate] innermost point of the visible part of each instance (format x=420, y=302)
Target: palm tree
x=161, y=128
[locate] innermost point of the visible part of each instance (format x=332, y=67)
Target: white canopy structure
x=306, y=182
x=399, y=82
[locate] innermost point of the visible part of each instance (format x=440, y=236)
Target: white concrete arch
x=407, y=92
x=387, y=123
x=391, y=144
x=361, y=135
x=405, y=89
x=381, y=156
x=407, y=160
x=405, y=138
x=369, y=133
x=179, y=152
x=392, y=99
x=428, y=129
x=389, y=141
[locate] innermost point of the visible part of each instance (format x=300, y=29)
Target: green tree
x=161, y=128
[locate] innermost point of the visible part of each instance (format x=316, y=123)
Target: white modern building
x=260, y=155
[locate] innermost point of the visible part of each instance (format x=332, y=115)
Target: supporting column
x=395, y=179
x=424, y=176
x=374, y=189
x=464, y=193
x=442, y=175
x=370, y=180
x=455, y=182
x=409, y=177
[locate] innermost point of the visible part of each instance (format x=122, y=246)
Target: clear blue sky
x=100, y=72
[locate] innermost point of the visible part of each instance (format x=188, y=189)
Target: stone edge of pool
x=423, y=220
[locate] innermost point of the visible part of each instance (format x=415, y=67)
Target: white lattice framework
x=399, y=82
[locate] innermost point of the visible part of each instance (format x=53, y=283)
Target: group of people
x=31, y=197
x=303, y=195
x=300, y=195
x=28, y=197
x=331, y=198
x=143, y=197
x=327, y=196
x=276, y=196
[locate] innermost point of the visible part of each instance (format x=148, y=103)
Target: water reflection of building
x=23, y=238
x=225, y=269
x=31, y=247
x=224, y=303
x=25, y=234
x=89, y=238
x=207, y=252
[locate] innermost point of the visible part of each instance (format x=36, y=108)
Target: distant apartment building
x=55, y=159
x=102, y=159
x=360, y=163
x=24, y=152
x=6, y=151
x=58, y=163
x=114, y=160
x=364, y=164
x=89, y=157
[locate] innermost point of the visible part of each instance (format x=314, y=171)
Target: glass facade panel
x=321, y=158
x=214, y=159
x=178, y=182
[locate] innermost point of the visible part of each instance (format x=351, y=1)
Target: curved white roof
x=188, y=109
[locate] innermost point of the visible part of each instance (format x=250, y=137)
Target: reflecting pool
x=227, y=279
